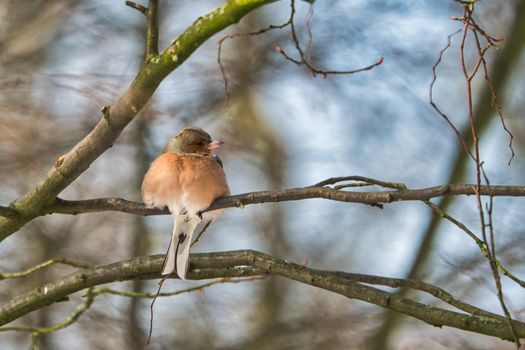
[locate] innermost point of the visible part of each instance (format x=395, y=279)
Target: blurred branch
x=204, y=266
x=219, y=55
x=45, y=264
x=483, y=246
x=251, y=263
x=62, y=206
x=36, y=332
x=119, y=115
x=151, y=295
x=92, y=293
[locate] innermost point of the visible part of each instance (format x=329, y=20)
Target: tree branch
x=136, y=6
x=77, y=160
x=61, y=206
x=152, y=34
x=251, y=263
x=54, y=261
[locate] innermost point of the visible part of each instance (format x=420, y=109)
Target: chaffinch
x=186, y=178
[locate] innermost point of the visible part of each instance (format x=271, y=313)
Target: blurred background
x=60, y=61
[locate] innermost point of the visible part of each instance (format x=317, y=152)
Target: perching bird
x=186, y=178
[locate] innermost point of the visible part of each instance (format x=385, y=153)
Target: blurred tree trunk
x=254, y=135
x=139, y=237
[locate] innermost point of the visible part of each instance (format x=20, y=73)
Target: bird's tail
x=179, y=248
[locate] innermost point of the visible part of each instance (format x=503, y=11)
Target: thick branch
x=69, y=166
x=62, y=206
x=248, y=263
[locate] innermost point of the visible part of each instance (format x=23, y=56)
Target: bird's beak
x=215, y=144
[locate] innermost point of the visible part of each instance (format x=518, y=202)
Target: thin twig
x=150, y=332
x=352, y=185
x=136, y=6
x=494, y=97
x=148, y=295
x=482, y=246
x=59, y=260
x=219, y=55
x=326, y=73
x=206, y=225
x=460, y=137
x=36, y=332
x=367, y=180
x=304, y=58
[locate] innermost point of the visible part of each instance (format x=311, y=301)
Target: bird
x=187, y=177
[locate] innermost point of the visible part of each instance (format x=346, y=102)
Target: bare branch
x=37, y=331
x=59, y=260
x=251, y=263
x=136, y=6
x=460, y=137
x=74, y=207
x=151, y=295
x=483, y=247
x=325, y=73
x=494, y=97
x=219, y=55
x=305, y=58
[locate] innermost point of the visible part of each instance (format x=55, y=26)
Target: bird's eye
x=201, y=143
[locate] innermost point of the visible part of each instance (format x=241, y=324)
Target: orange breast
x=183, y=181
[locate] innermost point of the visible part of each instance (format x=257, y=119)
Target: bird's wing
x=179, y=249
x=161, y=186
x=216, y=157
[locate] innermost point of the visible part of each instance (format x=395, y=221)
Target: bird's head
x=192, y=140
